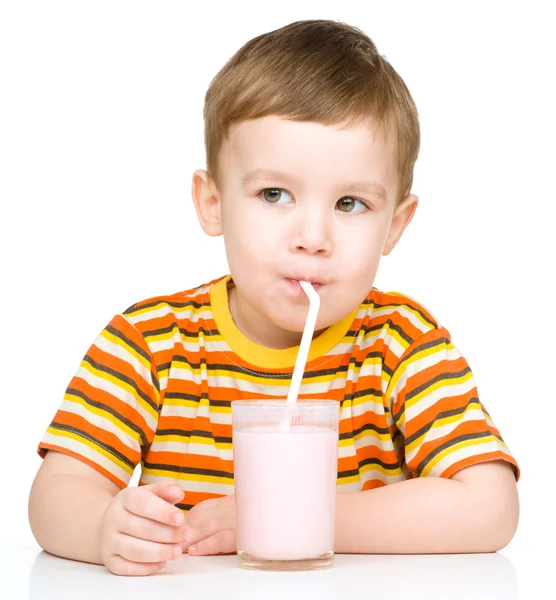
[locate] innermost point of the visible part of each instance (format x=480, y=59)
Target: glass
x=285, y=470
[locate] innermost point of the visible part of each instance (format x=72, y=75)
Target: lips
x=314, y=282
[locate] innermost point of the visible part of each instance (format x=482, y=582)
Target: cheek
x=246, y=243
x=362, y=254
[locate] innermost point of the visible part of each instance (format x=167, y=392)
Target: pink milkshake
x=285, y=469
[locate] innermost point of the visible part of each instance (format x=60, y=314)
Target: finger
x=221, y=501
x=147, y=529
x=169, y=491
x=203, y=527
x=147, y=502
x=223, y=542
x=144, y=551
x=120, y=566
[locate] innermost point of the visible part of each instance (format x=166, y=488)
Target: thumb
x=169, y=491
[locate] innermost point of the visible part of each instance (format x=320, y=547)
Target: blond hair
x=321, y=71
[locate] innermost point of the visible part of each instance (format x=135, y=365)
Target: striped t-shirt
x=156, y=388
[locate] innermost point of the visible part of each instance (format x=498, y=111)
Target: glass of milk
x=285, y=470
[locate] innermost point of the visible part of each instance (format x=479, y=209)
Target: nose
x=311, y=232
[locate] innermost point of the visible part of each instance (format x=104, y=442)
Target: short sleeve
x=435, y=405
x=110, y=410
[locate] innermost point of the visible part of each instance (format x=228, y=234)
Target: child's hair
x=321, y=71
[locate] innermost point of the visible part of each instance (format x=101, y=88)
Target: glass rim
x=281, y=403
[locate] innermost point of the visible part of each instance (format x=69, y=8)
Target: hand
x=141, y=529
x=211, y=527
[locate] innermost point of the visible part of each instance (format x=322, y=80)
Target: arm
x=76, y=512
x=66, y=507
x=474, y=511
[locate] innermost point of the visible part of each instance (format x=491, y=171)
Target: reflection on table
x=465, y=577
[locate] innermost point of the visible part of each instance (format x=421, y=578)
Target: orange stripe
x=42, y=452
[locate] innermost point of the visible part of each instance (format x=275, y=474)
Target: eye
x=275, y=195
x=348, y=204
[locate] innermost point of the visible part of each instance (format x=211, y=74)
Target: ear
x=206, y=198
x=402, y=217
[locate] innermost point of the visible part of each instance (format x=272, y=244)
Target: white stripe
x=193, y=448
x=377, y=475
x=407, y=313
x=440, y=354
x=447, y=389
x=205, y=487
x=121, y=393
x=475, y=449
x=346, y=451
x=187, y=313
x=124, y=354
x=471, y=414
x=372, y=405
x=356, y=486
x=367, y=440
x=87, y=452
x=103, y=423
x=150, y=313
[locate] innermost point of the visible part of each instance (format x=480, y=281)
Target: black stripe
x=186, y=433
x=370, y=427
x=182, y=396
x=368, y=461
x=433, y=324
x=399, y=414
x=183, y=332
x=436, y=379
x=195, y=398
x=437, y=342
x=377, y=461
x=441, y=415
x=448, y=443
x=95, y=441
x=128, y=342
x=138, y=349
x=263, y=374
x=188, y=470
x=186, y=507
x=110, y=410
x=156, y=383
x=123, y=378
x=138, y=306
x=367, y=392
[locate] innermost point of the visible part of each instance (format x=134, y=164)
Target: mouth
x=294, y=283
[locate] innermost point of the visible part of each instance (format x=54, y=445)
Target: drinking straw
x=306, y=338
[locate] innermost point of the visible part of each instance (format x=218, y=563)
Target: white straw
x=306, y=338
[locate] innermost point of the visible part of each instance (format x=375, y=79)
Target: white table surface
x=27, y=572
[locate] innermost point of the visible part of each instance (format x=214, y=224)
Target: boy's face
x=301, y=200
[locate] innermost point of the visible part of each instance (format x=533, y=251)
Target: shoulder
x=401, y=312
x=180, y=306
x=394, y=325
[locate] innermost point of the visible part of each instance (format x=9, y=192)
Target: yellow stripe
x=122, y=385
x=409, y=308
x=119, y=342
x=425, y=352
x=188, y=476
x=443, y=383
x=394, y=472
x=92, y=446
x=103, y=414
x=372, y=435
x=450, y=449
x=440, y=423
x=347, y=480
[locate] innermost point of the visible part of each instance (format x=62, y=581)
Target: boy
x=311, y=140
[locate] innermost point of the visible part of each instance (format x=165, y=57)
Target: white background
x=101, y=129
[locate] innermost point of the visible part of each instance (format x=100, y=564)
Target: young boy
x=311, y=139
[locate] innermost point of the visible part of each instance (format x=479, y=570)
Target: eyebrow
x=370, y=187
